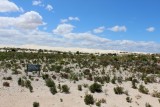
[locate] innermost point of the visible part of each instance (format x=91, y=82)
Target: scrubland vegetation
x=99, y=70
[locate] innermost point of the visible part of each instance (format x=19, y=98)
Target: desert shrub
x=128, y=99
x=148, y=105
x=95, y=87
x=85, y=85
x=50, y=83
x=30, y=88
x=103, y=100
x=106, y=78
x=128, y=79
x=118, y=90
x=86, y=72
x=59, y=87
x=113, y=80
x=149, y=79
x=6, y=84
x=65, y=89
x=80, y=87
x=98, y=103
x=119, y=80
x=98, y=79
x=7, y=78
x=88, y=99
x=27, y=83
x=19, y=81
x=143, y=89
x=35, y=104
x=61, y=100
x=53, y=90
x=45, y=76
x=134, y=81
x=156, y=94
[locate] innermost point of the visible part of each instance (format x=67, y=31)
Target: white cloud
x=49, y=7
x=118, y=29
x=70, y=19
x=73, y=18
x=63, y=29
x=36, y=2
x=99, y=29
x=8, y=6
x=150, y=29
x=29, y=20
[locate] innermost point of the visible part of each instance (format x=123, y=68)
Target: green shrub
x=19, y=81
x=53, y=90
x=35, y=104
x=156, y=94
x=113, y=80
x=98, y=103
x=30, y=88
x=88, y=99
x=7, y=78
x=50, y=83
x=118, y=90
x=129, y=100
x=80, y=87
x=65, y=89
x=95, y=87
x=148, y=105
x=134, y=81
x=159, y=100
x=143, y=89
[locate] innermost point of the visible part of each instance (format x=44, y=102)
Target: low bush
x=53, y=90
x=134, y=81
x=65, y=89
x=35, y=104
x=143, y=89
x=6, y=84
x=88, y=99
x=7, y=78
x=95, y=87
x=98, y=103
x=80, y=87
x=118, y=90
x=129, y=100
x=156, y=94
x=148, y=105
x=50, y=83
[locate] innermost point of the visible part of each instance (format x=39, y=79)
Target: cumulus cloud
x=28, y=20
x=150, y=29
x=49, y=7
x=70, y=19
x=8, y=6
x=118, y=29
x=36, y=2
x=63, y=29
x=99, y=29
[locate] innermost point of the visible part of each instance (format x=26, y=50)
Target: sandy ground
x=17, y=96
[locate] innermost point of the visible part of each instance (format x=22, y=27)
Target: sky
x=127, y=25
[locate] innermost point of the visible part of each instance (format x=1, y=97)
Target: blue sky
x=129, y=25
